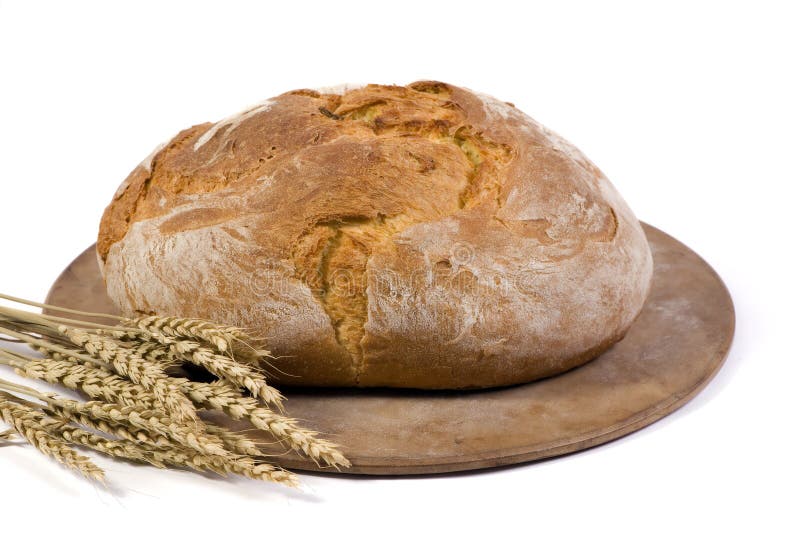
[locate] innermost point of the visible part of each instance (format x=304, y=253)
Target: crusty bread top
x=359, y=200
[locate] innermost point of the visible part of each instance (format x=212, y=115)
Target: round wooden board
x=671, y=352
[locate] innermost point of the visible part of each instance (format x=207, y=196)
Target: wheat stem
x=38, y=342
x=49, y=321
x=61, y=309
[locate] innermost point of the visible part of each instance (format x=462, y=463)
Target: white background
x=690, y=108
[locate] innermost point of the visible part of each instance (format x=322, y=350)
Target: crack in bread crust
x=331, y=256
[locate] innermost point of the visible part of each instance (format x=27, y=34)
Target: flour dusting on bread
x=230, y=123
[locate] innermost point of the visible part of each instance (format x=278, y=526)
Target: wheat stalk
x=85, y=359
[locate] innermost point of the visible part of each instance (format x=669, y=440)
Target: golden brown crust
x=418, y=236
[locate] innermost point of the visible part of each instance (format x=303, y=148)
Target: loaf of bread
x=420, y=236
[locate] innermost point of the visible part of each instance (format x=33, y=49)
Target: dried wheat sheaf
x=137, y=401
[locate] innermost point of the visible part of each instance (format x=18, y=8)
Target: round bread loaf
x=422, y=236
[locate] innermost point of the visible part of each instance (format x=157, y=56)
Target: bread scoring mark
x=595, y=218
x=230, y=123
x=154, y=162
x=124, y=186
x=519, y=284
x=216, y=270
x=598, y=219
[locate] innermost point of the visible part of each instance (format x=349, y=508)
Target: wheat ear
x=95, y=383
x=142, y=407
x=175, y=456
x=226, y=367
x=139, y=370
x=107, y=386
x=224, y=397
x=131, y=434
x=223, y=338
x=235, y=442
x=27, y=423
x=111, y=447
x=221, y=365
x=140, y=418
x=240, y=465
x=134, y=418
x=218, y=336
